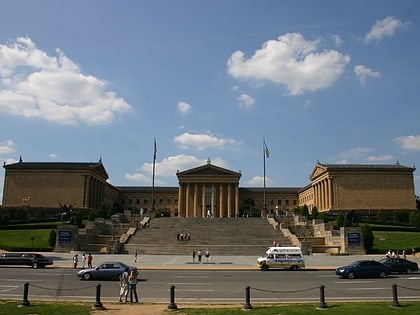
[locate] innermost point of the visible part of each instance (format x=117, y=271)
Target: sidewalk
x=161, y=262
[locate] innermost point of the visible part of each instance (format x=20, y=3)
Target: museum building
x=210, y=189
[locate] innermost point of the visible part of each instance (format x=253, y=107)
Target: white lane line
x=357, y=289
x=353, y=282
x=190, y=283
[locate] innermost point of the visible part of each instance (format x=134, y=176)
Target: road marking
x=413, y=278
x=190, y=283
x=352, y=282
x=353, y=289
x=187, y=290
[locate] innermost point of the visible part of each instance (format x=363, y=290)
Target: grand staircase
x=221, y=236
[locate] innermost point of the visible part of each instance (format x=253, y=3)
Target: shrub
x=368, y=238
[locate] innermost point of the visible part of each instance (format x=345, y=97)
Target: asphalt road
x=208, y=286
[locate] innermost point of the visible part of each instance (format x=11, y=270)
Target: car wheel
x=351, y=275
x=409, y=270
x=87, y=276
x=35, y=265
x=382, y=274
x=264, y=267
x=294, y=268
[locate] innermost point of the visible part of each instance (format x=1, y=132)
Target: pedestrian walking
x=193, y=255
x=75, y=261
x=124, y=286
x=83, y=261
x=89, y=260
x=135, y=255
x=207, y=254
x=132, y=280
x=199, y=256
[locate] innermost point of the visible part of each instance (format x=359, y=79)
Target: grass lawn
x=22, y=239
x=14, y=308
x=384, y=240
x=371, y=308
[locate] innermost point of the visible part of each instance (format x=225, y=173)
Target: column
x=236, y=200
x=229, y=200
x=221, y=207
x=203, y=201
x=180, y=200
x=213, y=200
x=195, y=200
x=331, y=193
x=187, y=201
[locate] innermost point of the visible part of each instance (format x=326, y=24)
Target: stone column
x=180, y=200
x=203, y=201
x=229, y=200
x=213, y=200
x=236, y=200
x=195, y=200
x=330, y=190
x=221, y=206
x=187, y=201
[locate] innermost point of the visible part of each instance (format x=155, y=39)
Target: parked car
x=400, y=265
x=110, y=270
x=364, y=269
x=25, y=259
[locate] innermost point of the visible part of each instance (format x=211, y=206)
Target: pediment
x=208, y=170
x=318, y=170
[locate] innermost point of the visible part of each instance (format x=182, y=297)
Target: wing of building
x=210, y=190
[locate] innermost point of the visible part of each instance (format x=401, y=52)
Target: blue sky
x=327, y=81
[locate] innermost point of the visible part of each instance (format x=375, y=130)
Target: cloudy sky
x=328, y=81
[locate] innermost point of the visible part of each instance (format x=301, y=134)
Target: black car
x=25, y=259
x=400, y=265
x=364, y=269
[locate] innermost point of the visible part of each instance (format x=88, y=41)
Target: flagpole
x=153, y=177
x=264, y=154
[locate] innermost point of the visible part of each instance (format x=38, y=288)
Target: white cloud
x=53, y=156
x=258, y=181
x=290, y=60
x=383, y=28
x=246, y=101
x=202, y=141
x=36, y=85
x=363, y=73
x=337, y=40
x=168, y=168
x=355, y=154
x=7, y=147
x=411, y=143
x=362, y=155
x=184, y=108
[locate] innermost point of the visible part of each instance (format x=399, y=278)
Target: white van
x=282, y=257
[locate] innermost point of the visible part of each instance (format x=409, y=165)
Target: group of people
x=89, y=260
x=185, y=236
x=199, y=255
x=396, y=254
x=128, y=284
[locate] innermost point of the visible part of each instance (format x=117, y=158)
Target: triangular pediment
x=318, y=170
x=208, y=170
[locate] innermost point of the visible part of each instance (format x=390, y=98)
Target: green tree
x=341, y=219
x=368, y=238
x=415, y=218
x=52, y=238
x=315, y=213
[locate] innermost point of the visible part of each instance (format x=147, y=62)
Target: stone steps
x=222, y=236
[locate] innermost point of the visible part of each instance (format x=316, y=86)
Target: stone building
x=209, y=189
x=82, y=185
x=362, y=187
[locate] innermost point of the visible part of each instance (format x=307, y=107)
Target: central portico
x=208, y=190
